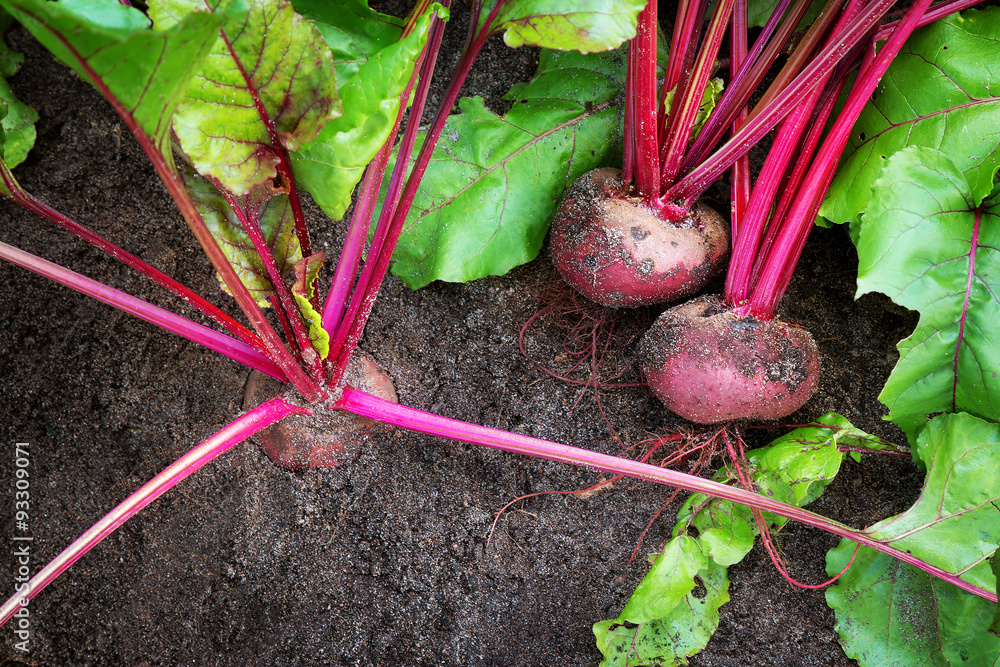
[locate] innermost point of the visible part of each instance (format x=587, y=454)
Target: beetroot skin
x=327, y=438
x=615, y=250
x=709, y=365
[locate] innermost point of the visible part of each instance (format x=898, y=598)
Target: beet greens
x=239, y=104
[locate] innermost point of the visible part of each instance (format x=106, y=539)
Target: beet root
x=710, y=365
x=327, y=438
x=616, y=251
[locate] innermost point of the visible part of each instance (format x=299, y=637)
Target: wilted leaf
x=493, y=183
x=145, y=72
x=657, y=626
x=938, y=94
x=673, y=638
x=921, y=244
x=268, y=83
x=373, y=72
x=578, y=25
x=304, y=290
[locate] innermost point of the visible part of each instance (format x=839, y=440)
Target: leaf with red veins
x=931, y=244
x=142, y=72
x=274, y=214
x=268, y=85
x=938, y=93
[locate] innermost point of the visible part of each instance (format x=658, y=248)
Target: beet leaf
x=664, y=622
x=889, y=613
x=493, y=182
x=18, y=123
x=144, y=72
x=937, y=93
x=931, y=245
x=581, y=25
x=267, y=85
x=373, y=62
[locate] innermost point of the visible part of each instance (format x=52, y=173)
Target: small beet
x=616, y=251
x=709, y=365
x=327, y=438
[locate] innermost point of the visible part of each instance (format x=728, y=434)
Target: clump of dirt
x=382, y=561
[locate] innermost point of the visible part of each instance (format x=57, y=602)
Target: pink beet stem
x=260, y=417
x=362, y=403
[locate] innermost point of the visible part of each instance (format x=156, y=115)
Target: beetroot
x=710, y=365
x=325, y=439
x=616, y=250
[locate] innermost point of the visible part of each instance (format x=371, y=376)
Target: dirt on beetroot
x=383, y=561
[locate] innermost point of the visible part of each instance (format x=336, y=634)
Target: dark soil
x=385, y=561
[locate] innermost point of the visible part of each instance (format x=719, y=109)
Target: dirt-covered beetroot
x=616, y=251
x=709, y=365
x=328, y=438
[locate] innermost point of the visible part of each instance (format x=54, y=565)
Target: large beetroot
x=709, y=364
x=616, y=250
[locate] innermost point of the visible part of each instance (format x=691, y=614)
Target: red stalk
x=777, y=271
x=694, y=183
x=691, y=89
x=687, y=28
x=366, y=405
x=250, y=221
x=379, y=257
x=642, y=87
x=741, y=168
x=29, y=202
x=260, y=417
x=745, y=247
x=210, y=338
x=745, y=80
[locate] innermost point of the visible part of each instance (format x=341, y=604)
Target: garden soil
x=394, y=558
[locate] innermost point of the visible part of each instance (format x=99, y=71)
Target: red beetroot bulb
x=327, y=438
x=709, y=365
x=615, y=250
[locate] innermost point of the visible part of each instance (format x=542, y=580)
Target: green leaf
x=353, y=32
x=920, y=245
x=955, y=524
x=578, y=25
x=274, y=213
x=144, y=72
x=891, y=614
x=10, y=60
x=671, y=578
x=19, y=119
x=673, y=638
x=267, y=85
x=304, y=291
x=18, y=127
x=936, y=94
x=330, y=166
x=493, y=183
x=808, y=458
x=657, y=627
